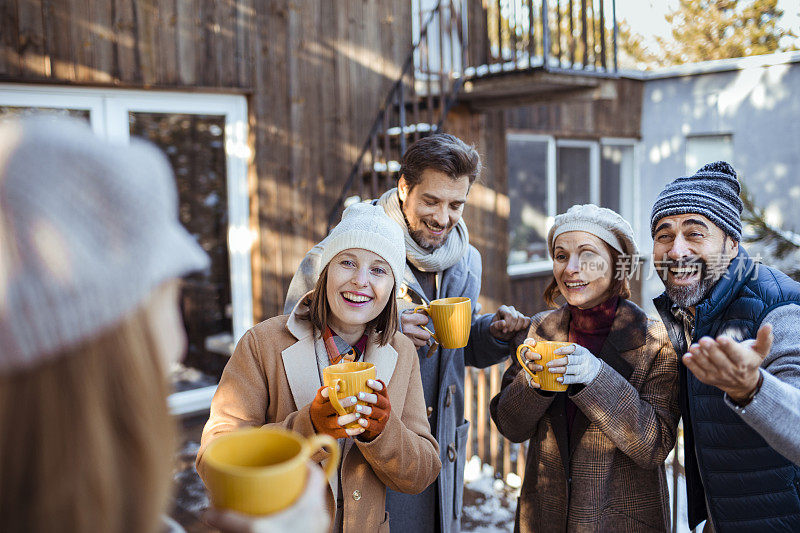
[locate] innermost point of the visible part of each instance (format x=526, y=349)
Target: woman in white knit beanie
x=91, y=252
x=275, y=374
x=603, y=441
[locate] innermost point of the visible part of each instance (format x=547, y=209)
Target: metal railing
x=577, y=35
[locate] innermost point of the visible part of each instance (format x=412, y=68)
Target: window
x=547, y=176
x=204, y=137
x=702, y=149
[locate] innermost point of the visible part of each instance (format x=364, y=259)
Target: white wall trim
x=109, y=110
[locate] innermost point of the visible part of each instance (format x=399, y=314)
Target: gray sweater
x=774, y=411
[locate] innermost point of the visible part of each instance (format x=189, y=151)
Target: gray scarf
x=436, y=260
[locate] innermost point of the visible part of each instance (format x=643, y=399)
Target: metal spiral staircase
x=518, y=46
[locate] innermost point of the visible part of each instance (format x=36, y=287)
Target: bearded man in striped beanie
x=736, y=324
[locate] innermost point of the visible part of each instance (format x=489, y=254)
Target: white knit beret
x=600, y=222
x=368, y=227
x=87, y=231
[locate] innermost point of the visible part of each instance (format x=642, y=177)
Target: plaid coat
x=608, y=475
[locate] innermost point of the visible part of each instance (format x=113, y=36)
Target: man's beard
x=419, y=234
x=691, y=295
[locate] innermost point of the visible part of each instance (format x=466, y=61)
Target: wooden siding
x=314, y=72
x=615, y=112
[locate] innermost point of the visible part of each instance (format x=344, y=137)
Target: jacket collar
x=725, y=290
x=300, y=359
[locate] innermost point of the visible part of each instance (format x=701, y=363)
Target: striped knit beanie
x=713, y=191
x=87, y=231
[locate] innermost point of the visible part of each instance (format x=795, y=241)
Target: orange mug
x=452, y=320
x=349, y=378
x=545, y=378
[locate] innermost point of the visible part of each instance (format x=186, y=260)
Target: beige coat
x=609, y=475
x=272, y=378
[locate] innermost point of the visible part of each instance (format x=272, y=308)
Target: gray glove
x=581, y=365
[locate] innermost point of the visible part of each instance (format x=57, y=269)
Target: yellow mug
x=545, y=378
x=259, y=471
x=452, y=320
x=351, y=378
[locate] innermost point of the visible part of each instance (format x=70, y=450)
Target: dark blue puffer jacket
x=751, y=487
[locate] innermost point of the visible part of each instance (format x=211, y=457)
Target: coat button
x=451, y=452
x=356, y=495
x=430, y=411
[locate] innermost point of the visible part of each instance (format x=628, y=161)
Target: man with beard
x=435, y=177
x=736, y=321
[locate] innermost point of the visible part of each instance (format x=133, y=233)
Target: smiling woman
x=617, y=419
x=275, y=374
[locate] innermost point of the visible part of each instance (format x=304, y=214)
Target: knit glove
x=374, y=416
x=326, y=420
x=581, y=365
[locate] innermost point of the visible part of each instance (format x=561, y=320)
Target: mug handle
x=524, y=365
x=424, y=309
x=319, y=441
x=334, y=398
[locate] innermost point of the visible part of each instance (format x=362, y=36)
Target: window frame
x=543, y=265
x=108, y=117
x=629, y=205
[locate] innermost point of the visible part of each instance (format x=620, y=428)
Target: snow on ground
x=490, y=504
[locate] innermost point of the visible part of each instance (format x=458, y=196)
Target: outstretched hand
x=507, y=322
x=729, y=365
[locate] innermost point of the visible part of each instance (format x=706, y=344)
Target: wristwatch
x=749, y=398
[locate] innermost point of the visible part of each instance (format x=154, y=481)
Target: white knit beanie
x=600, y=222
x=368, y=227
x=87, y=231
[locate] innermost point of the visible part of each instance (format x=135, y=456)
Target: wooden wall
x=617, y=114
x=314, y=72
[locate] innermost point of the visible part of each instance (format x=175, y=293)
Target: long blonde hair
x=86, y=440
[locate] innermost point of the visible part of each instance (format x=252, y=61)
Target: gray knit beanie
x=601, y=222
x=87, y=231
x=368, y=227
x=713, y=191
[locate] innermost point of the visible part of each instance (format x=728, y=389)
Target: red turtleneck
x=590, y=328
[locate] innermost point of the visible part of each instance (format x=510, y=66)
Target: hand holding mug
x=579, y=366
x=531, y=359
x=412, y=324
x=546, y=352
x=306, y=514
x=327, y=420
x=376, y=414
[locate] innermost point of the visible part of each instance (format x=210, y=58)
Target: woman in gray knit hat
x=596, y=453
x=274, y=377
x=91, y=252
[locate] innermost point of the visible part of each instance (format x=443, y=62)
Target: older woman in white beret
x=596, y=454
